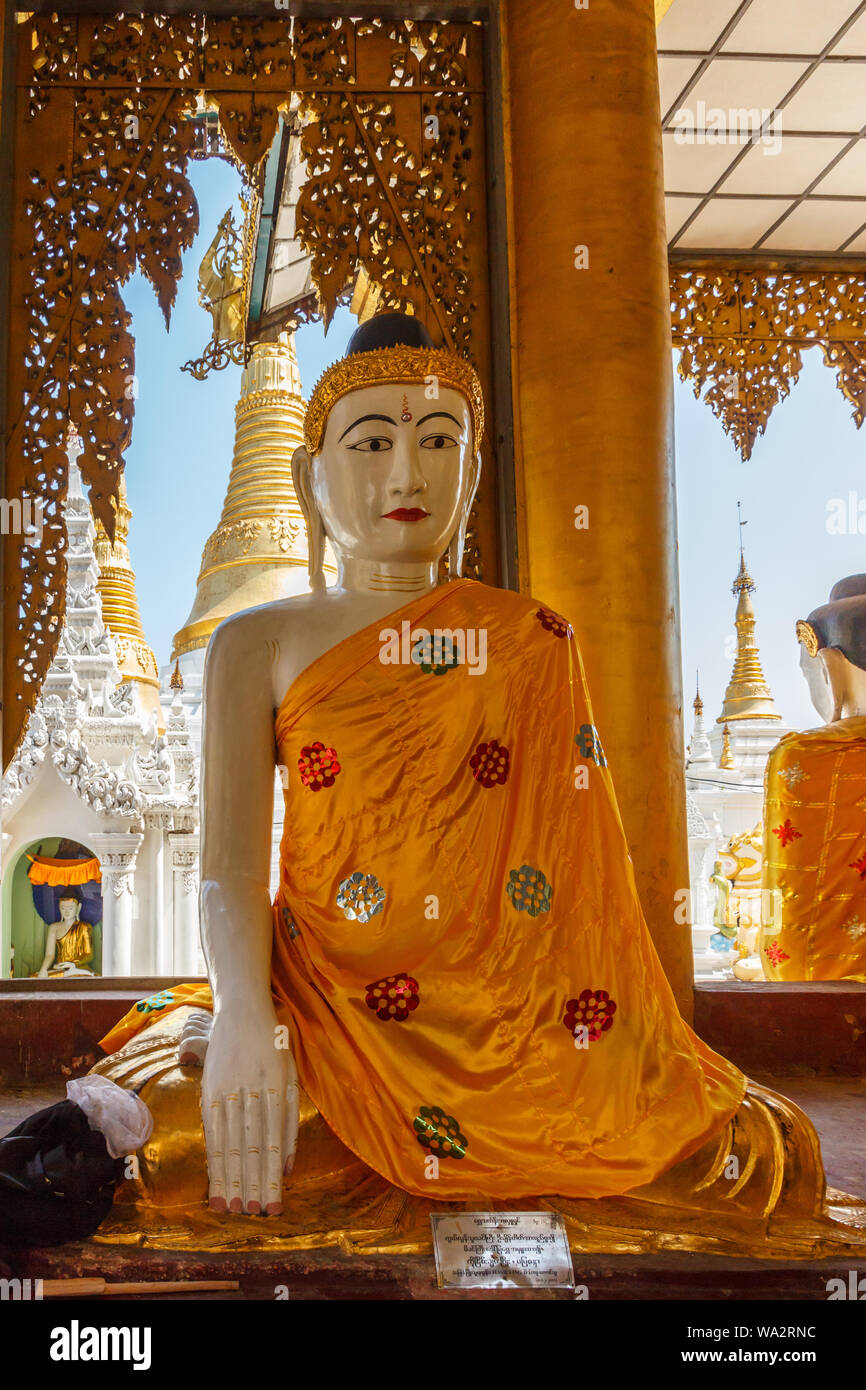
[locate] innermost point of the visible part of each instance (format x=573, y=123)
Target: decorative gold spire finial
x=698, y=704
x=176, y=682
x=727, y=758
x=748, y=696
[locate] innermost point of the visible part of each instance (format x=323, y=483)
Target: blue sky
x=179, y=460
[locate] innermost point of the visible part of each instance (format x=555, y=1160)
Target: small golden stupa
x=116, y=584
x=748, y=695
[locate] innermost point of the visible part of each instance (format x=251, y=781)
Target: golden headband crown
x=808, y=636
x=398, y=366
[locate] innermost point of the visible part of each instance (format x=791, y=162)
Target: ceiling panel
x=676, y=212
x=674, y=73
x=817, y=226
x=732, y=222
x=694, y=168
x=799, y=161
x=833, y=98
x=849, y=175
x=789, y=26
x=854, y=42
x=695, y=24
x=734, y=83
x=858, y=244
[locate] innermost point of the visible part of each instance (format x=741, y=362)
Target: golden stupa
x=116, y=584
x=258, y=552
x=748, y=695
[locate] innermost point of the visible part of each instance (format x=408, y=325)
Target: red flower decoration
x=551, y=622
x=318, y=766
x=593, y=1010
x=786, y=833
x=490, y=763
x=774, y=953
x=394, y=997
x=859, y=865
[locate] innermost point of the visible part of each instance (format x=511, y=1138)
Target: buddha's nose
x=406, y=478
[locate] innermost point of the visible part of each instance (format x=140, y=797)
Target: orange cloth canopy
x=63, y=873
x=459, y=954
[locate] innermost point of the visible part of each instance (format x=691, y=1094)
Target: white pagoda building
x=104, y=777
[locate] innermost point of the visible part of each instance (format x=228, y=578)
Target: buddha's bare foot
x=195, y=1037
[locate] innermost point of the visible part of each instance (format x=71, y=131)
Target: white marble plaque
x=501, y=1250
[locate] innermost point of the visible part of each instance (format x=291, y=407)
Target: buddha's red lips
x=406, y=514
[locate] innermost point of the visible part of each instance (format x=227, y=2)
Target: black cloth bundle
x=57, y=1178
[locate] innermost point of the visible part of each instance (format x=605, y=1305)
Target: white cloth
x=121, y=1117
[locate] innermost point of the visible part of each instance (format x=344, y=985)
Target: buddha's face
x=395, y=472
x=68, y=908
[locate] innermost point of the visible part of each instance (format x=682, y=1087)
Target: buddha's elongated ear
x=457, y=543
x=838, y=676
x=302, y=477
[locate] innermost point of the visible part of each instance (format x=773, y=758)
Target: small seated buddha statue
x=814, y=805
x=68, y=943
x=454, y=1000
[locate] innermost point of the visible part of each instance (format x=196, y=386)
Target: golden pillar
x=594, y=402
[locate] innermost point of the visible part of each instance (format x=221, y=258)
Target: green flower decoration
x=426, y=651
x=440, y=1133
x=529, y=890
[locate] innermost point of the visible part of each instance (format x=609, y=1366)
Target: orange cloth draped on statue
x=815, y=855
x=459, y=953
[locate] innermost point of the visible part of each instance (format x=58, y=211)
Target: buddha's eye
x=438, y=441
x=374, y=444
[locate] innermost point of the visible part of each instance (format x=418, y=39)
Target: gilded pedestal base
x=775, y=1208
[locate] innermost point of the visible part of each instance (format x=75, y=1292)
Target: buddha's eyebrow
x=433, y=414
x=360, y=420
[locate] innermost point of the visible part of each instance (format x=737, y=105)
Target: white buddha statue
x=454, y=997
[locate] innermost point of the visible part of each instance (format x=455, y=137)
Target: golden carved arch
x=394, y=135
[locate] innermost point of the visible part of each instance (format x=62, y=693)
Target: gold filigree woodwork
x=742, y=335
x=221, y=290
x=394, y=135
x=101, y=194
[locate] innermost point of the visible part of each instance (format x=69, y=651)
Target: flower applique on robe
x=470, y=990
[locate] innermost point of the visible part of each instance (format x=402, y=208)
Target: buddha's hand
x=250, y=1113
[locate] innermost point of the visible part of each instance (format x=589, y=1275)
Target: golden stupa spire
x=258, y=552
x=748, y=695
x=120, y=612
x=727, y=758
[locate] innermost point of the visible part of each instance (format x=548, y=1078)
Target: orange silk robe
x=459, y=953
x=815, y=855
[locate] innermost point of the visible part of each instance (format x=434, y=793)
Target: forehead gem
x=406, y=413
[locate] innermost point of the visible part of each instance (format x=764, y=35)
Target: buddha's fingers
x=234, y=1167
x=253, y=1143
x=274, y=1108
x=291, y=1119
x=214, y=1128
